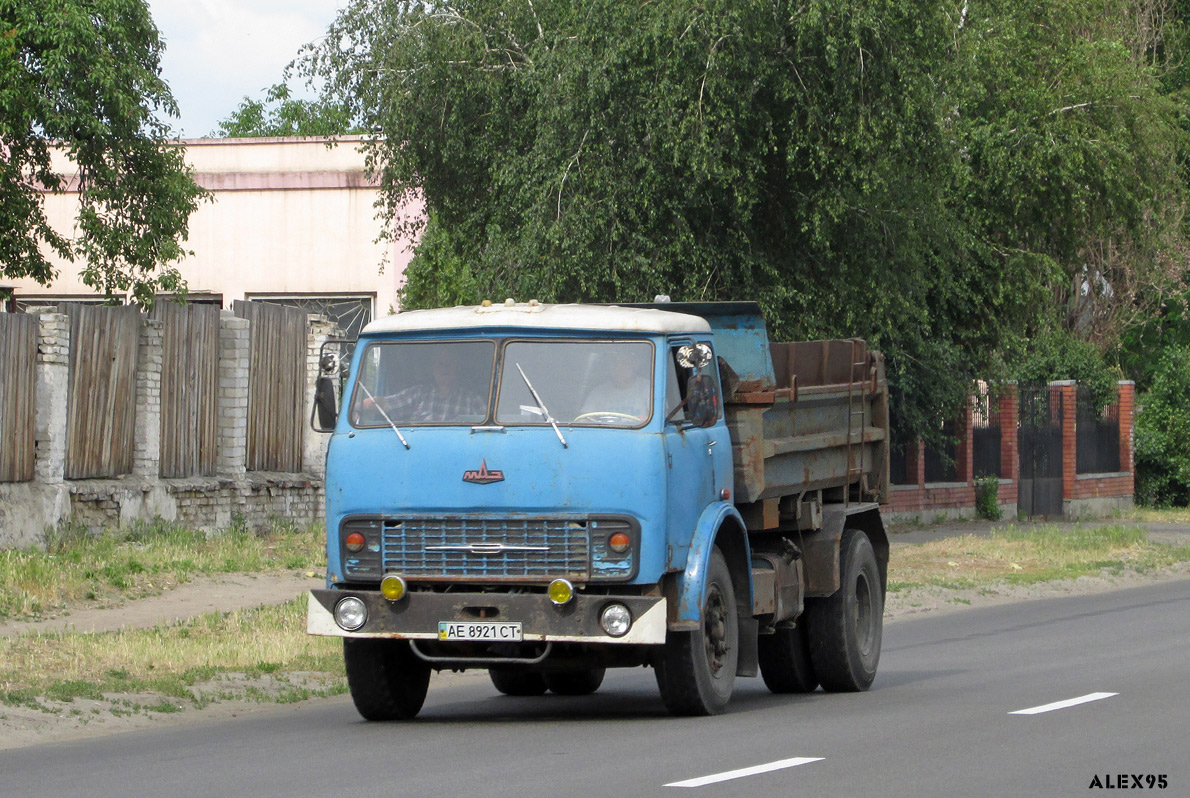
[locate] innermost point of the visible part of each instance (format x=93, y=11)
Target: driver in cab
x=446, y=398
x=623, y=396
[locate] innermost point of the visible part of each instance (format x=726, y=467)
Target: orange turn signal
x=619, y=542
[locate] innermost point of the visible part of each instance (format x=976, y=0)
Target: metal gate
x=1040, y=447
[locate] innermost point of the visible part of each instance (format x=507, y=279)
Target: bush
x=987, y=498
x=1162, y=440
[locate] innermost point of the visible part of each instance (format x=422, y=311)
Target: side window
x=674, y=390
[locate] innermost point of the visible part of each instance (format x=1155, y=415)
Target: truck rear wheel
x=696, y=670
x=845, y=628
x=582, y=682
x=785, y=661
x=387, y=680
x=511, y=681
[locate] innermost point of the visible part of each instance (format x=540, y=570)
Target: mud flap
x=748, y=663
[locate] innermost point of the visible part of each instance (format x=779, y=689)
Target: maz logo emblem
x=483, y=476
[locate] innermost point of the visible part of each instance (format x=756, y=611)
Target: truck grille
x=536, y=549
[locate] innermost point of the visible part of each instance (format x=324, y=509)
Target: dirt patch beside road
x=915, y=601
x=194, y=598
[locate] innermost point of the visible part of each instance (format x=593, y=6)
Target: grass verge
x=259, y=654
x=77, y=569
x=1017, y=556
x=1158, y=515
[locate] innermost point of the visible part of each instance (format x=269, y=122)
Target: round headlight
x=392, y=587
x=561, y=592
x=351, y=613
x=616, y=620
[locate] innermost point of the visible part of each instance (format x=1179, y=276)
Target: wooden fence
x=18, y=385
x=276, y=385
x=101, y=406
x=189, y=388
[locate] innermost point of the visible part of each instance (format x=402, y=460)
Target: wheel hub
x=715, y=630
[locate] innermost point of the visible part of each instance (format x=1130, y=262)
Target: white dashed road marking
x=1070, y=702
x=752, y=771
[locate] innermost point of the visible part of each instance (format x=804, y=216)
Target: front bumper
x=417, y=615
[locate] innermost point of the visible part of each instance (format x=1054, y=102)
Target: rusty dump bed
x=822, y=423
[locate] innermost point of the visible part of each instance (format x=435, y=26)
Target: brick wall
x=1083, y=494
x=928, y=501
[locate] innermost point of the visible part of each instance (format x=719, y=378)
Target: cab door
x=698, y=458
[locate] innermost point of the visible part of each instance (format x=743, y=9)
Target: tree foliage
x=1071, y=145
x=84, y=76
x=1163, y=434
x=939, y=178
x=279, y=114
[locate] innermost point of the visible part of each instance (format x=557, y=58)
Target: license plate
x=492, y=632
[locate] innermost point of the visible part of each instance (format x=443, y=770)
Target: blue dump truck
x=547, y=491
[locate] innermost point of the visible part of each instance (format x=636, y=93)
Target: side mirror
x=326, y=409
x=702, y=402
x=325, y=412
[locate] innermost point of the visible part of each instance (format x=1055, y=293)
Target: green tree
x=281, y=115
x=84, y=76
x=1163, y=434
x=1071, y=148
x=861, y=168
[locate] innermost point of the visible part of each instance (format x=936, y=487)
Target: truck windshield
x=597, y=383
x=410, y=384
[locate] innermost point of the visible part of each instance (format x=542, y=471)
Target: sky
x=219, y=51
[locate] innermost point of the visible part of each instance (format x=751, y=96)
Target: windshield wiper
x=376, y=405
x=541, y=404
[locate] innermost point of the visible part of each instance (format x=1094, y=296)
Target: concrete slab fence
x=108, y=415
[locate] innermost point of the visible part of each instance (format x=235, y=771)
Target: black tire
x=696, y=670
x=387, y=680
x=511, y=681
x=575, y=682
x=785, y=662
x=845, y=629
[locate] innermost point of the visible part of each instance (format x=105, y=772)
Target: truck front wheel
x=846, y=627
x=387, y=680
x=696, y=670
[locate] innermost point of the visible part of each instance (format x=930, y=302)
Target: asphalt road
x=937, y=722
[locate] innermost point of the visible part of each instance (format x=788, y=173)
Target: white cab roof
x=533, y=315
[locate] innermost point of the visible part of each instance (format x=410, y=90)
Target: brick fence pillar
x=53, y=389
x=915, y=462
x=1067, y=395
x=964, y=450
x=233, y=395
x=1126, y=391
x=1008, y=411
x=146, y=453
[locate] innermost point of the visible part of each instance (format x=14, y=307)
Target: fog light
x=561, y=592
x=619, y=542
x=355, y=542
x=350, y=613
x=616, y=620
x=393, y=587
